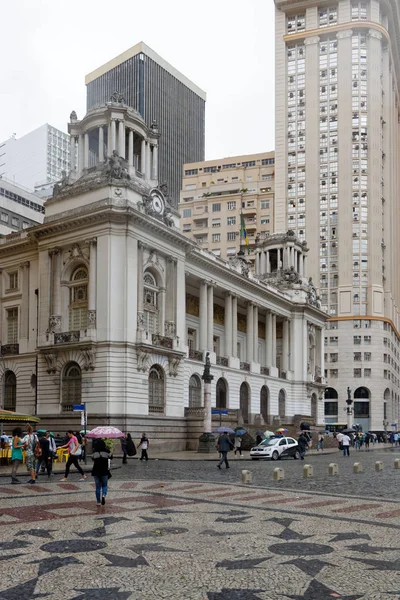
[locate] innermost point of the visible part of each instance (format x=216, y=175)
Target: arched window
x=264, y=401
x=194, y=392
x=331, y=404
x=10, y=396
x=282, y=404
x=361, y=403
x=221, y=394
x=150, y=302
x=156, y=390
x=361, y=393
x=71, y=386
x=78, y=299
x=244, y=402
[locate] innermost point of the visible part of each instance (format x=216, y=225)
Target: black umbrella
x=348, y=431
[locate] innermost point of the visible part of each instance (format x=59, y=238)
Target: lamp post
x=349, y=409
x=207, y=440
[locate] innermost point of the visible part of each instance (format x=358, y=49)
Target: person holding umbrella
x=101, y=470
x=224, y=446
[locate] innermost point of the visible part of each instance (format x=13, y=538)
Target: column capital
x=249, y=303
x=375, y=34
x=227, y=294
x=141, y=245
x=310, y=41
x=91, y=241
x=25, y=265
x=54, y=251
x=346, y=33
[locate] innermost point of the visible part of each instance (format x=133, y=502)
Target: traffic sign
x=78, y=407
x=217, y=411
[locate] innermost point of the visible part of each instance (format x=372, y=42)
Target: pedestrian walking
x=321, y=443
x=124, y=452
x=396, y=440
x=33, y=451
x=224, y=446
x=16, y=453
x=303, y=445
x=75, y=451
x=130, y=445
x=144, y=445
x=259, y=439
x=101, y=470
x=238, y=445
x=346, y=445
x=45, y=458
x=339, y=438
x=366, y=441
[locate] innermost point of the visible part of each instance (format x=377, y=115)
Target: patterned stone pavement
x=195, y=541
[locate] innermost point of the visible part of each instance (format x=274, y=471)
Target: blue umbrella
x=240, y=431
x=223, y=430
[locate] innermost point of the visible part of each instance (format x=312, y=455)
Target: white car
x=276, y=448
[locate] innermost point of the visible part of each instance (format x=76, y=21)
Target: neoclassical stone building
x=107, y=303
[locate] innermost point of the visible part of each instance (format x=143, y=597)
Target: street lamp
x=207, y=440
x=349, y=403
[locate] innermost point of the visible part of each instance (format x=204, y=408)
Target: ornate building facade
x=107, y=303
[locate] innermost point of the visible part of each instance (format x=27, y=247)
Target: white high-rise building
x=336, y=185
x=37, y=158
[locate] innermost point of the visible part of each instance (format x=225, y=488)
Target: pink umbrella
x=105, y=432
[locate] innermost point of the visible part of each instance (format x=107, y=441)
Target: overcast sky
x=225, y=47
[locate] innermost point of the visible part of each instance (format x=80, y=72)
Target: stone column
x=81, y=153
x=92, y=283
x=121, y=138
x=285, y=346
x=162, y=311
x=55, y=317
x=274, y=340
x=268, y=339
x=86, y=150
x=24, y=331
x=203, y=316
x=228, y=324
x=72, y=143
x=109, y=139
x=130, y=152
x=249, y=332
x=262, y=263
x=154, y=170
x=143, y=157
x=234, y=326
x=255, y=333
x=301, y=265
x=140, y=290
x=148, y=161
x=101, y=144
x=268, y=263
x=305, y=265
x=113, y=136
x=257, y=263
x=210, y=318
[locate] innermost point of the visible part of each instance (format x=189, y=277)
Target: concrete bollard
x=397, y=463
x=358, y=468
x=378, y=466
x=308, y=471
x=247, y=476
x=278, y=474
x=333, y=469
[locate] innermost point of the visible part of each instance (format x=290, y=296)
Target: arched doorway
x=71, y=386
x=156, y=390
x=244, y=401
x=314, y=407
x=10, y=395
x=282, y=404
x=362, y=407
x=221, y=394
x=194, y=392
x=264, y=403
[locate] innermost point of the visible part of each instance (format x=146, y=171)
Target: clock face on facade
x=157, y=202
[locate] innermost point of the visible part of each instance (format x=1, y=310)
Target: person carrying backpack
x=33, y=451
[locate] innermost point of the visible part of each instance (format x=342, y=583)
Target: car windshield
x=273, y=441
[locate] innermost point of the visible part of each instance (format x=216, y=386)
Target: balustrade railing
x=10, y=349
x=67, y=337
x=222, y=361
x=245, y=366
x=159, y=340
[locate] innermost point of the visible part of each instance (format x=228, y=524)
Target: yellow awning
x=7, y=416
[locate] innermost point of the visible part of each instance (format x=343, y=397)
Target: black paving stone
x=300, y=549
x=71, y=546
x=126, y=562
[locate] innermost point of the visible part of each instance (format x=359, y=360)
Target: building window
x=264, y=204
x=331, y=409
x=359, y=11
x=10, y=391
x=150, y=303
x=327, y=16
x=4, y=217
x=367, y=372
x=265, y=221
x=357, y=356
x=367, y=339
x=231, y=221
x=191, y=172
x=367, y=355
x=14, y=221
x=333, y=340
x=187, y=227
x=187, y=212
x=333, y=357
x=296, y=23
x=357, y=339
x=231, y=205
x=334, y=373
x=356, y=323
x=78, y=299
x=12, y=326
x=71, y=386
x=267, y=161
x=13, y=280
x=216, y=237
x=216, y=251
x=231, y=236
x=156, y=390
x=266, y=177
x=216, y=207
x=357, y=372
x=367, y=323
x=194, y=392
x=216, y=223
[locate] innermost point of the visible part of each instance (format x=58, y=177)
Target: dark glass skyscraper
x=158, y=92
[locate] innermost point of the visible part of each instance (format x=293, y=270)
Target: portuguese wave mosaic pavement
x=195, y=541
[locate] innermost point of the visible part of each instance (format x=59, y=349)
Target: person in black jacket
x=100, y=471
x=224, y=446
x=303, y=445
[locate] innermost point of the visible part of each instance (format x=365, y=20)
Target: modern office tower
x=337, y=163
x=215, y=193
x=37, y=158
x=159, y=93
x=19, y=209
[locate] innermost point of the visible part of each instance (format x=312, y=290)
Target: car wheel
x=275, y=455
x=296, y=455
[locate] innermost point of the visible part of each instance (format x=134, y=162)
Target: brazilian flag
x=243, y=232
